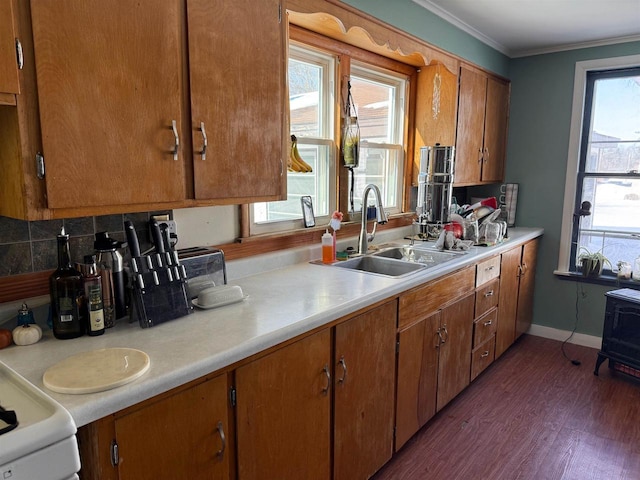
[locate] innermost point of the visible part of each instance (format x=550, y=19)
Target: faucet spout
x=381, y=218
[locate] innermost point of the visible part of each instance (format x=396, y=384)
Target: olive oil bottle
x=93, y=301
x=66, y=288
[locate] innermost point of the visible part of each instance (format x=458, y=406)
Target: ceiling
x=519, y=28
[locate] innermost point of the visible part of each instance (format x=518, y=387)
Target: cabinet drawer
x=485, y=327
x=487, y=270
x=482, y=356
x=416, y=304
x=487, y=297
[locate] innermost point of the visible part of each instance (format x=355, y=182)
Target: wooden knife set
x=159, y=282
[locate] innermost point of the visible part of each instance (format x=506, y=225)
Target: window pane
x=373, y=101
x=615, y=126
x=315, y=184
x=615, y=203
x=305, y=81
x=380, y=167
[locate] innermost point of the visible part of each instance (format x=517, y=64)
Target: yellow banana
x=297, y=163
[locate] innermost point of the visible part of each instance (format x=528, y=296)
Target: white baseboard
x=562, y=335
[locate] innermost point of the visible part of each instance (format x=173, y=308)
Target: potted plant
x=592, y=263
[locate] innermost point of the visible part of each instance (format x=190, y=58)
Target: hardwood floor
x=531, y=415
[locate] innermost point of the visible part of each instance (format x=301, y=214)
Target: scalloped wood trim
x=349, y=25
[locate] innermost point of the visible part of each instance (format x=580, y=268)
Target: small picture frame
x=307, y=211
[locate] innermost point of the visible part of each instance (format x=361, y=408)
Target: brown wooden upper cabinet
x=435, y=116
x=481, y=135
x=137, y=110
x=9, y=82
x=237, y=67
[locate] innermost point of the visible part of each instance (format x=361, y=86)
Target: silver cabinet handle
x=325, y=390
x=223, y=440
x=488, y=269
x=485, y=354
x=486, y=155
x=446, y=334
x=343, y=364
x=489, y=293
x=19, y=54
x=203, y=152
x=486, y=324
x=480, y=156
x=174, y=152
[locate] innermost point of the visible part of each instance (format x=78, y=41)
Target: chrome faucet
x=381, y=218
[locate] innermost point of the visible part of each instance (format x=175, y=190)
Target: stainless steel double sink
x=399, y=260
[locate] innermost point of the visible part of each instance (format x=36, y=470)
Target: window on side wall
x=608, y=174
x=311, y=98
x=380, y=97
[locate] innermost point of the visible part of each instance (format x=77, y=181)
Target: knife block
x=159, y=289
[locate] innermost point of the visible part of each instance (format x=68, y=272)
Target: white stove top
x=44, y=426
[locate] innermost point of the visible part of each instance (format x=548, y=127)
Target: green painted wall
x=418, y=21
x=541, y=102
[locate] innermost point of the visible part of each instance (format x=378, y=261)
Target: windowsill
x=604, y=279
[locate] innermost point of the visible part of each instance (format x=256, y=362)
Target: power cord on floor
x=579, y=291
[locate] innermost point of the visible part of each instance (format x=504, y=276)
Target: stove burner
x=8, y=417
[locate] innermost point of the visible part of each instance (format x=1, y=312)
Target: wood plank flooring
x=531, y=415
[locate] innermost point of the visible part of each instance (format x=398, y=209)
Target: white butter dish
x=219, y=296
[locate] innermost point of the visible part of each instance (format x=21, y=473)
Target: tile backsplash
x=27, y=247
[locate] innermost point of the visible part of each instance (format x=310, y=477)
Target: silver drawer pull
x=486, y=324
x=176, y=145
x=205, y=143
x=223, y=440
x=489, y=293
x=488, y=269
x=485, y=354
x=343, y=364
x=325, y=390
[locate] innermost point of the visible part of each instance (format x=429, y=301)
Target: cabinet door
x=283, y=412
x=525, y=292
x=183, y=436
x=9, y=82
x=109, y=76
x=469, y=134
x=365, y=355
x=436, y=103
x=237, y=66
x=508, y=300
x=495, y=130
x=417, y=377
x=454, y=366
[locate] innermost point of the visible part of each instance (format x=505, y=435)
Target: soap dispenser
x=327, y=247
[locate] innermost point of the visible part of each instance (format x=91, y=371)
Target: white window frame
x=400, y=83
x=577, y=114
x=326, y=139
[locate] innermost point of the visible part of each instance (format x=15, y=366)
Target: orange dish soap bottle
x=327, y=247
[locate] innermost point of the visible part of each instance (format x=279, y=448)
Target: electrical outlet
x=172, y=226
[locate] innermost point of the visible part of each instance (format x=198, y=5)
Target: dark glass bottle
x=93, y=301
x=65, y=285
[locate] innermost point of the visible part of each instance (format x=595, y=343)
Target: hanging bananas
x=295, y=163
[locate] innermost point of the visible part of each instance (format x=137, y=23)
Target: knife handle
x=132, y=238
x=156, y=236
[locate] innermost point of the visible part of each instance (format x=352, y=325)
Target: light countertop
x=282, y=303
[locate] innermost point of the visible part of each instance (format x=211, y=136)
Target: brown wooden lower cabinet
x=284, y=403
x=284, y=412
x=364, y=384
x=182, y=435
x=515, y=306
x=434, y=362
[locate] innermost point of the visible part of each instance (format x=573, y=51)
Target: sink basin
x=381, y=266
x=424, y=256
